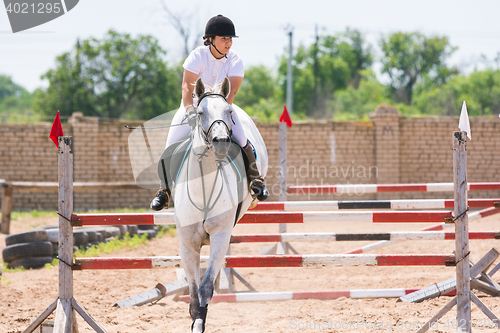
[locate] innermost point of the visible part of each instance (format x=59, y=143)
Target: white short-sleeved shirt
x=211, y=70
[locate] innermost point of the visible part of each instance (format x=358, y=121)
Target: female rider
x=212, y=63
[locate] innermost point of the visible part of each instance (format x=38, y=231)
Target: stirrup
x=259, y=190
x=161, y=200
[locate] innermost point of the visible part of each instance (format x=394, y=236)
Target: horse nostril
x=220, y=140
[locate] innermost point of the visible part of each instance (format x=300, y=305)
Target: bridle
x=210, y=202
x=205, y=134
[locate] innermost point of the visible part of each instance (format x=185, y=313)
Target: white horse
x=207, y=202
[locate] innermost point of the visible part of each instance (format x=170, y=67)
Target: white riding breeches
x=178, y=133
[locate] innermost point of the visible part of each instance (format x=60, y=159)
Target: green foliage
x=409, y=56
x=123, y=77
x=115, y=77
x=35, y=213
x=15, y=103
x=257, y=95
x=480, y=90
x=320, y=70
x=357, y=104
x=9, y=88
x=54, y=263
x=7, y=269
x=257, y=85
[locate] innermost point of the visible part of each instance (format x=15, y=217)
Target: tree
x=357, y=103
x=480, y=90
x=15, y=102
x=257, y=85
x=409, y=56
x=115, y=77
x=338, y=60
x=8, y=87
x=257, y=94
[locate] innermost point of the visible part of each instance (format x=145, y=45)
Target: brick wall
x=387, y=149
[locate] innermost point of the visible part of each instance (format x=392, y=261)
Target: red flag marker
x=56, y=130
x=285, y=117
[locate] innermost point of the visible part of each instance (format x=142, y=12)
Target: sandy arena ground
x=24, y=295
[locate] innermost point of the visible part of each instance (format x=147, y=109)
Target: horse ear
x=199, y=88
x=225, y=88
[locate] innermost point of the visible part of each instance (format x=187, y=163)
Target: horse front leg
x=190, y=259
x=219, y=244
x=190, y=245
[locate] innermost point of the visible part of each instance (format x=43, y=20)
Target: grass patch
x=18, y=215
x=54, y=263
x=166, y=230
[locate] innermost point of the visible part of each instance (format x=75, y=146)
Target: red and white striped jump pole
x=376, y=204
x=287, y=295
x=306, y=260
x=271, y=217
x=389, y=236
x=387, y=188
x=440, y=226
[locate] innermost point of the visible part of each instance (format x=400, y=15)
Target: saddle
x=174, y=157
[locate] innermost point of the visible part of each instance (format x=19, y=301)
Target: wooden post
x=282, y=247
x=6, y=209
x=461, y=232
x=63, y=322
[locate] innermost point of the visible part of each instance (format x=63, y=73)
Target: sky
x=262, y=25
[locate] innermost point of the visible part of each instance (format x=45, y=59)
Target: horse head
x=215, y=120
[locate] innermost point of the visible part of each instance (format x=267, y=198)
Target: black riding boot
x=161, y=199
x=255, y=181
x=163, y=195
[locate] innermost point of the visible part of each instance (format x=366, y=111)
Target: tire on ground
x=46, y=227
x=27, y=250
x=27, y=237
x=111, y=232
x=151, y=233
x=31, y=262
x=53, y=235
x=80, y=238
x=55, y=249
x=92, y=235
x=122, y=228
x=146, y=226
x=132, y=230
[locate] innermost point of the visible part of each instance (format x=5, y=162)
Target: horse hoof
x=198, y=326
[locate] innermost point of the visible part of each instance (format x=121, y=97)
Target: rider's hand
x=191, y=116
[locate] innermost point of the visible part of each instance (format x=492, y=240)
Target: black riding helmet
x=219, y=26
